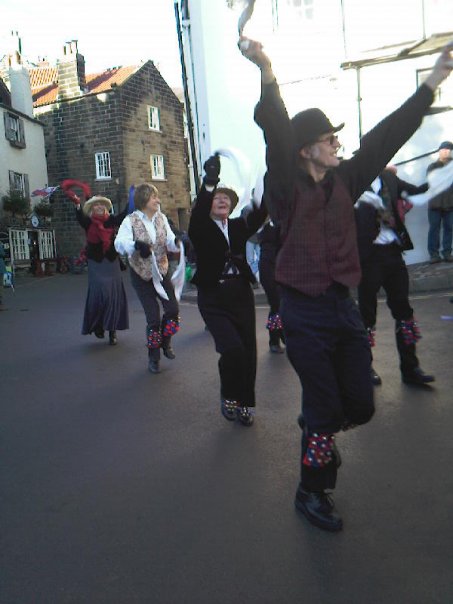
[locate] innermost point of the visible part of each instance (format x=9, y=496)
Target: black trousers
x=228, y=309
x=267, y=280
x=386, y=268
x=328, y=347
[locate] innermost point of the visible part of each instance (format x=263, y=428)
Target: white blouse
x=124, y=240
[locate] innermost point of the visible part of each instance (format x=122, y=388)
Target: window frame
x=153, y=111
x=100, y=158
x=157, y=164
x=14, y=130
x=24, y=187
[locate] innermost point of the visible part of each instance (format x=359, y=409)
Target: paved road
x=122, y=487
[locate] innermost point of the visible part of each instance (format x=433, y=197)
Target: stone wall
x=116, y=121
x=148, y=88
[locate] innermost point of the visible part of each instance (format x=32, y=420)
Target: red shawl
x=98, y=232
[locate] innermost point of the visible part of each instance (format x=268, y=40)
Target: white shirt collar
x=376, y=185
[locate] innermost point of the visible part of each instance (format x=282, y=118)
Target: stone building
x=112, y=130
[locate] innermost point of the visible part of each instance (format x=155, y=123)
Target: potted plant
x=16, y=203
x=44, y=210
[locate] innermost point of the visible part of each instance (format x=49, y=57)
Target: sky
x=109, y=33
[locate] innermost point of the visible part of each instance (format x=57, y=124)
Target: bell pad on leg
x=274, y=322
x=170, y=327
x=154, y=338
x=371, y=333
x=409, y=330
x=320, y=450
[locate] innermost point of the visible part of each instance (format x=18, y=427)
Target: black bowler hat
x=446, y=145
x=310, y=124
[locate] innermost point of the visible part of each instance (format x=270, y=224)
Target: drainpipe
x=190, y=126
x=359, y=101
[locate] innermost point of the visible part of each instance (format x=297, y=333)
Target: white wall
x=31, y=160
x=306, y=58
x=227, y=86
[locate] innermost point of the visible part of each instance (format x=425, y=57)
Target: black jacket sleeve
x=379, y=145
x=82, y=218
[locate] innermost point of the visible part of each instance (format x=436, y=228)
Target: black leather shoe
x=319, y=509
x=276, y=348
x=375, y=378
x=113, y=341
x=417, y=377
x=99, y=333
x=168, y=352
x=153, y=366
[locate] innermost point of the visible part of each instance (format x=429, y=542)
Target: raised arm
x=272, y=117
x=203, y=203
x=379, y=145
x=117, y=219
x=82, y=218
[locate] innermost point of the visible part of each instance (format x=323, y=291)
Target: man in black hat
x=440, y=212
x=310, y=195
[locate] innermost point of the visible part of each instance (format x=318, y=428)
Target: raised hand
x=442, y=67
x=253, y=51
x=212, y=170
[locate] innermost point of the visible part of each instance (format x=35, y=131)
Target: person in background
x=2, y=273
x=106, y=303
x=269, y=246
x=173, y=257
x=225, y=297
x=440, y=212
x=252, y=249
x=145, y=236
x=310, y=195
x=382, y=239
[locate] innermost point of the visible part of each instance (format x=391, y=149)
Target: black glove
x=212, y=170
x=143, y=248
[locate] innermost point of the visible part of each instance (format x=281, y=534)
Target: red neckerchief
x=97, y=232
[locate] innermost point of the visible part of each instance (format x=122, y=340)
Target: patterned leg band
x=320, y=450
x=274, y=322
x=409, y=331
x=154, y=338
x=371, y=333
x=170, y=327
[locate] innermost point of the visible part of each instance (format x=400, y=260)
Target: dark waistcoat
x=319, y=244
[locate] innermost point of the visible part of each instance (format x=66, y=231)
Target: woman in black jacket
x=225, y=297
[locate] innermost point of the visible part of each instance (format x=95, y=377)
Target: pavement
x=423, y=277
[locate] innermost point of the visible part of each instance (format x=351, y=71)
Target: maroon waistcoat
x=319, y=240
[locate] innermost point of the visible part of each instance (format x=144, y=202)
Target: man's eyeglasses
x=332, y=139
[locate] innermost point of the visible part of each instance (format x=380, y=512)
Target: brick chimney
x=71, y=72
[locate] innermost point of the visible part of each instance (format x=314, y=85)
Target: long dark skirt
x=106, y=303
